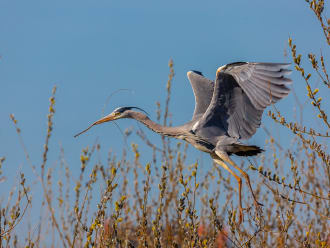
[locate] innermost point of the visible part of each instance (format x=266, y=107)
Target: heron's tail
x=245, y=150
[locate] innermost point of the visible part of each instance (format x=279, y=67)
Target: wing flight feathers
x=264, y=83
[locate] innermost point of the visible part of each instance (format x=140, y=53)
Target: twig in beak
x=85, y=130
x=109, y=117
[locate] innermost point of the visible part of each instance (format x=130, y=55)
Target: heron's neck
x=163, y=130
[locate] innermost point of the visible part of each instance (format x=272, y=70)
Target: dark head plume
x=123, y=109
x=198, y=72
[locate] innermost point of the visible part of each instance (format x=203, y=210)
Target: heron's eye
x=117, y=113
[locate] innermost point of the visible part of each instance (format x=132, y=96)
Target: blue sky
x=90, y=49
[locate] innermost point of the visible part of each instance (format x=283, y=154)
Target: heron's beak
x=107, y=118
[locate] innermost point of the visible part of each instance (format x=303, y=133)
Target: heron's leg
x=224, y=156
x=239, y=180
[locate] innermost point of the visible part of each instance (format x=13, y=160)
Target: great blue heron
x=226, y=111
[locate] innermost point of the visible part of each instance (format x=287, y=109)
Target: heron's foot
x=241, y=216
x=258, y=207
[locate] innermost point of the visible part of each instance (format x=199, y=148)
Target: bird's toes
x=240, y=217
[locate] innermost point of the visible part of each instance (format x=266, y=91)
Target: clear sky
x=90, y=49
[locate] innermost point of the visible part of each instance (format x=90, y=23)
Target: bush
x=169, y=202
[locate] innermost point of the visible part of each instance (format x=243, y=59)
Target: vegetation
x=170, y=202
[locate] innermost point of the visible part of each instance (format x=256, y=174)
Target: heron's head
x=118, y=113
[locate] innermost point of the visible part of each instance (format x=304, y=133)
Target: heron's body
x=187, y=133
x=227, y=111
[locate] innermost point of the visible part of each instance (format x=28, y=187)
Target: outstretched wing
x=241, y=92
x=203, y=91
